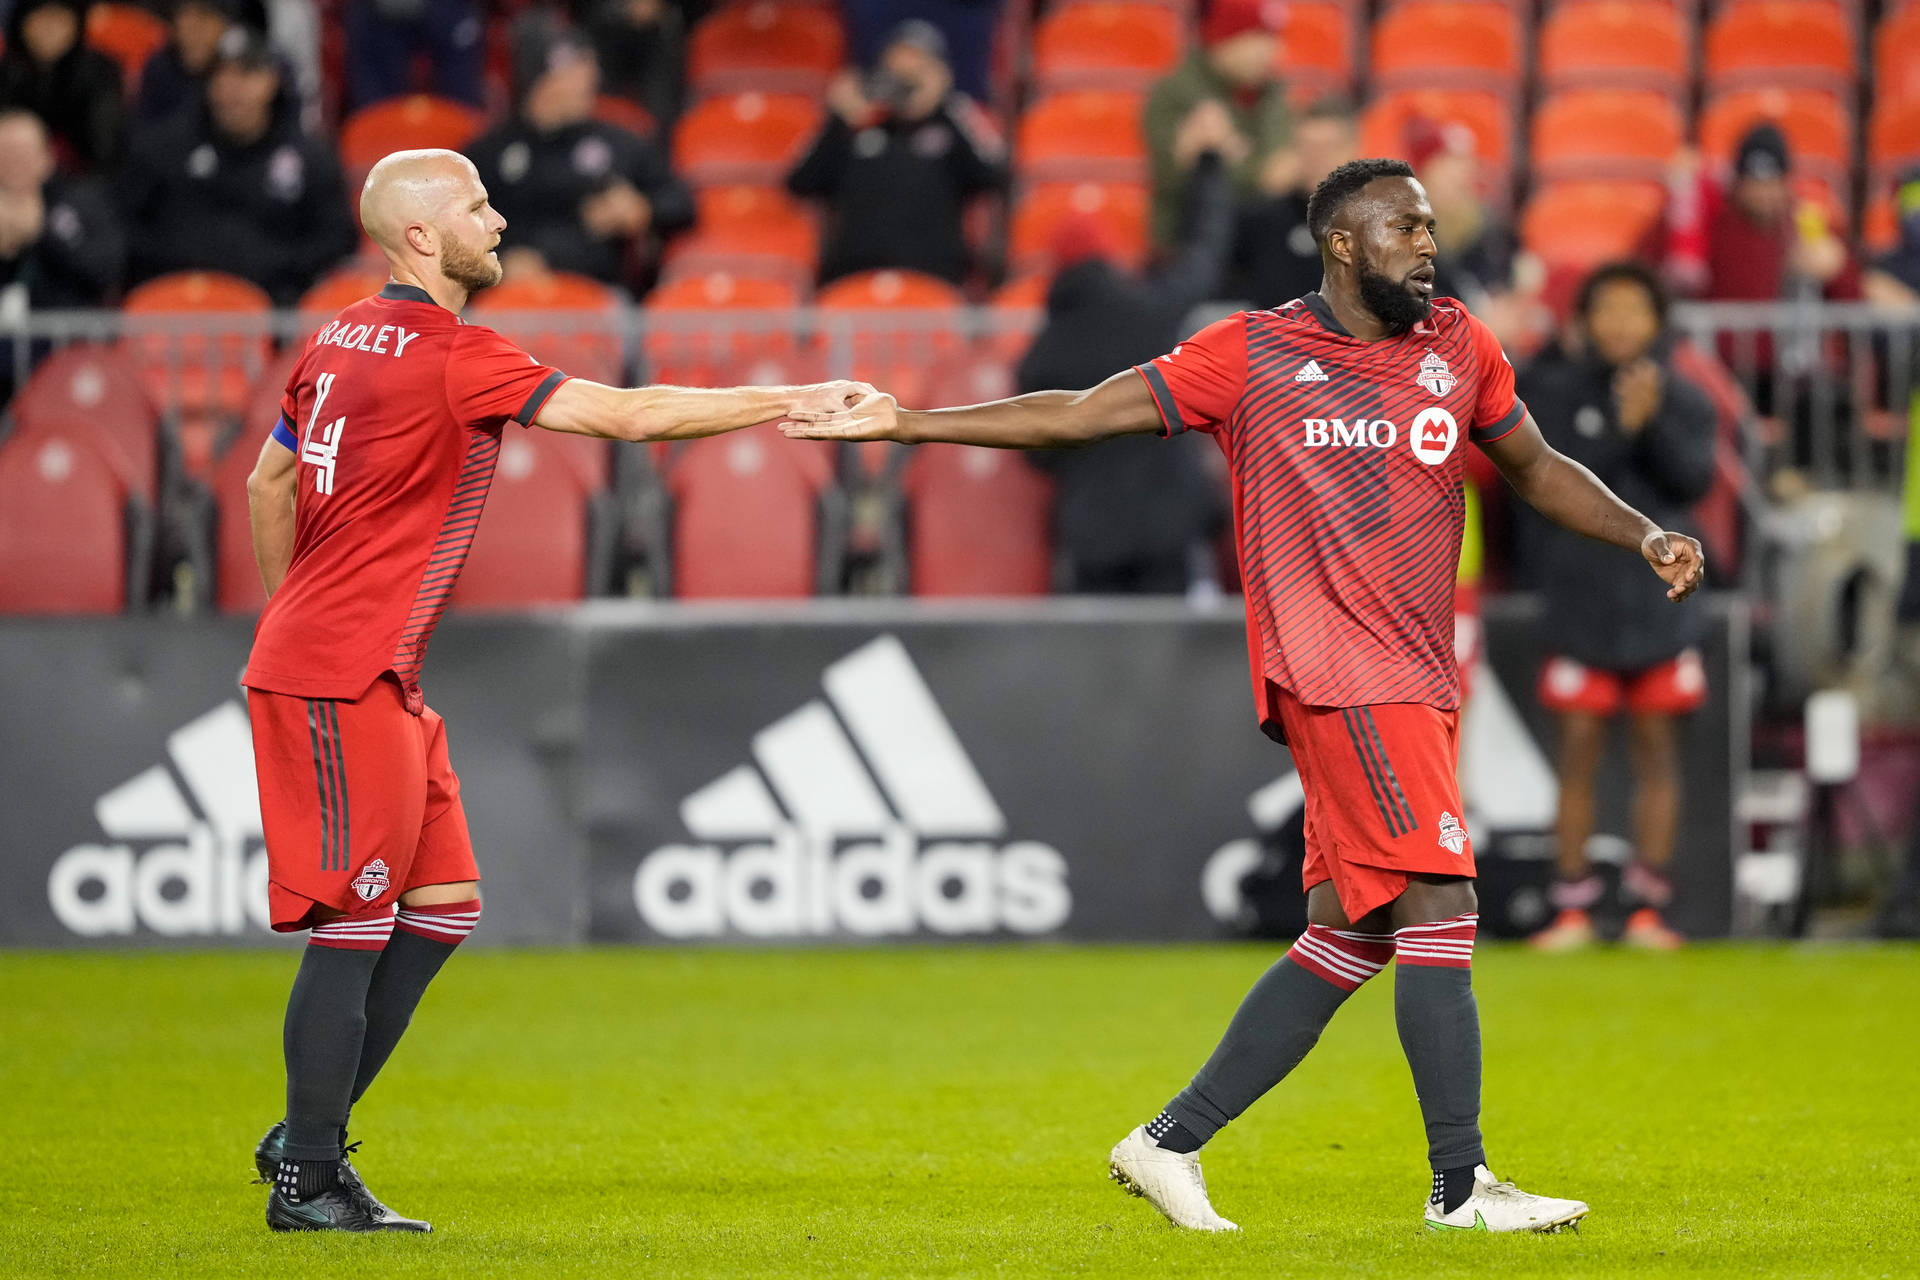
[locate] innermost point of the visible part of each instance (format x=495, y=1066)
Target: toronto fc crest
x=1453, y=836
x=1434, y=375
x=373, y=881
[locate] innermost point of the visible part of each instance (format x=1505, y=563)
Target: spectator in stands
x=1232, y=72
x=967, y=26
x=897, y=161
x=236, y=185
x=1131, y=513
x=385, y=36
x=642, y=49
x=175, y=77
x=578, y=194
x=1275, y=257
x=60, y=242
x=1613, y=401
x=1476, y=247
x=1894, y=280
x=48, y=69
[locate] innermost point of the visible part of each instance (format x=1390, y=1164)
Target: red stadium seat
x=722, y=330
x=400, y=124
x=752, y=231
x=585, y=337
x=94, y=387
x=1087, y=135
x=127, y=33
x=1896, y=55
x=63, y=524
x=546, y=533
x=1448, y=44
x=1893, y=137
x=1016, y=312
x=1121, y=206
x=612, y=109
x=236, y=574
x=1579, y=225
x=338, y=290
x=764, y=46
x=1605, y=133
x=199, y=340
x=895, y=329
x=979, y=523
x=745, y=520
x=752, y=138
x=1626, y=44
x=1880, y=225
x=1097, y=44
x=1775, y=43
x=1383, y=128
x=1819, y=130
x=1316, y=49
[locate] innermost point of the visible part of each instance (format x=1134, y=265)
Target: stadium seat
x=1122, y=206
x=338, y=289
x=236, y=574
x=1095, y=44
x=1088, y=135
x=1579, y=225
x=417, y=120
x=895, y=329
x=548, y=532
x=1471, y=44
x=1626, y=44
x=611, y=108
x=750, y=231
x=1777, y=43
x=722, y=330
x=747, y=518
x=1605, y=133
x=66, y=533
x=1819, y=130
x=1315, y=55
x=766, y=47
x=1896, y=55
x=586, y=337
x=979, y=523
x=1880, y=225
x=94, y=387
x=129, y=34
x=1893, y=138
x=198, y=339
x=751, y=138
x=1015, y=313
x=1383, y=128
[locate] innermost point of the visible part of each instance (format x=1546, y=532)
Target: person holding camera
x=899, y=156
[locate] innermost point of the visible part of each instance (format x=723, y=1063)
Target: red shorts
x=358, y=801
x=1676, y=686
x=1383, y=802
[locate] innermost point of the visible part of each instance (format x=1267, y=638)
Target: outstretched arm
x=270, y=502
x=1120, y=406
x=1571, y=496
x=584, y=408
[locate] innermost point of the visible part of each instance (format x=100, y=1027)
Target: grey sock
x=1281, y=1018
x=1440, y=1032
x=326, y=1021
x=406, y=966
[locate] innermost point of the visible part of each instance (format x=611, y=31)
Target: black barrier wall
x=832, y=771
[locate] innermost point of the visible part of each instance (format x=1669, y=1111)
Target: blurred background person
x=1275, y=259
x=967, y=26
x=1611, y=399
x=898, y=159
x=1476, y=245
x=48, y=69
x=641, y=46
x=1894, y=278
x=578, y=194
x=1135, y=515
x=1231, y=72
x=174, y=77
x=235, y=184
x=60, y=243
x=386, y=37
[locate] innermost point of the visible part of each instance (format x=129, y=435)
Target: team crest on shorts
x=1453, y=836
x=373, y=881
x=1434, y=375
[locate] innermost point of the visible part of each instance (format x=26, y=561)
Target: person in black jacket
x=896, y=163
x=48, y=69
x=174, y=78
x=235, y=185
x=1129, y=513
x=578, y=194
x=1276, y=258
x=1616, y=405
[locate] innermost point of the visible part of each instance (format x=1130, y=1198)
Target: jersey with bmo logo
x=1348, y=458
x=396, y=410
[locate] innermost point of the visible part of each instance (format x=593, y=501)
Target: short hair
x=1624, y=271
x=1342, y=185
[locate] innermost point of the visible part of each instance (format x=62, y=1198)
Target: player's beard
x=1393, y=302
x=470, y=269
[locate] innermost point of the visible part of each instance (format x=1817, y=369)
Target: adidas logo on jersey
x=175, y=867
x=860, y=814
x=1310, y=372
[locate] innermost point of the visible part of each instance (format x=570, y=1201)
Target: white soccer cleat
x=1168, y=1180
x=1501, y=1206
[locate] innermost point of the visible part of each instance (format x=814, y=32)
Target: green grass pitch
x=945, y=1112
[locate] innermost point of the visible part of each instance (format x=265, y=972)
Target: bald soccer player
x=364, y=503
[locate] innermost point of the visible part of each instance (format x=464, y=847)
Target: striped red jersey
x=1348, y=458
x=396, y=409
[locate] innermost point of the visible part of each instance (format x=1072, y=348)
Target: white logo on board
x=1433, y=435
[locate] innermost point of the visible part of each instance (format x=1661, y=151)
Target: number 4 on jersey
x=325, y=451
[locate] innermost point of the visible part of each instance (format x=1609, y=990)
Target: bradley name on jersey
x=366, y=337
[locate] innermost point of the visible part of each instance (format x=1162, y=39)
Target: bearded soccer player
x=364, y=503
x=1344, y=417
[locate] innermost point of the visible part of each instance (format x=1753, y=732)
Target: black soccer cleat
x=338, y=1208
x=266, y=1161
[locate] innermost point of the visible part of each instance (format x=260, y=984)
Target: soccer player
x=364, y=503
x=1344, y=416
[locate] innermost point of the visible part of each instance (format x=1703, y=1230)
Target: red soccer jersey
x=398, y=408
x=1347, y=459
